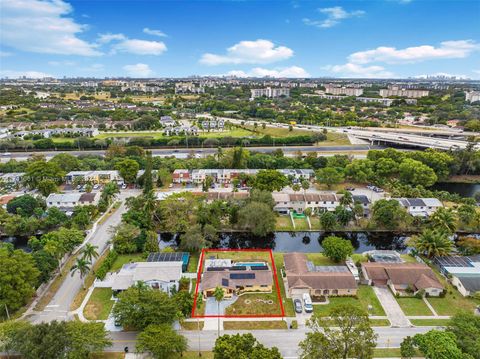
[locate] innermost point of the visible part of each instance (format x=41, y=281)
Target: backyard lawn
x=284, y=223
x=413, y=306
x=287, y=302
x=301, y=224
x=127, y=258
x=320, y=260
x=250, y=325
x=365, y=296
x=99, y=304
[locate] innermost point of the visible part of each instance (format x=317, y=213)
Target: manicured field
x=251, y=325
x=413, y=306
x=99, y=304
x=365, y=297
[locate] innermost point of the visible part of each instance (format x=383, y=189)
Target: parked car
x=370, y=186
x=124, y=186
x=307, y=303
x=79, y=187
x=378, y=190
x=350, y=188
x=298, y=306
x=96, y=186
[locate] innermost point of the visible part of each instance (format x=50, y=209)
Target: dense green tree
x=18, y=278
x=466, y=328
x=345, y=333
x=128, y=169
x=193, y=239
x=336, y=248
x=360, y=170
x=147, y=175
x=45, y=263
x=124, y=240
x=24, y=205
x=242, y=346
x=407, y=348
x=38, y=171
x=270, y=180
x=262, y=196
x=416, y=173
x=46, y=187
x=329, y=176
x=328, y=221
x=140, y=306
x=85, y=339
x=437, y=344
x=257, y=218
x=344, y=215
x=161, y=342
x=66, y=162
x=389, y=214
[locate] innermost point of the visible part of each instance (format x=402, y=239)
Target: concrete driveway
x=392, y=308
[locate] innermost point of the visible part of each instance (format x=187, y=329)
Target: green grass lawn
x=390, y=353
x=335, y=139
x=287, y=302
x=278, y=131
x=99, y=304
x=453, y=302
x=193, y=262
x=380, y=322
x=234, y=132
x=127, y=258
x=413, y=306
x=429, y=322
x=251, y=325
x=192, y=325
x=284, y=223
x=365, y=296
x=301, y=224
x=252, y=303
x=408, y=258
x=320, y=260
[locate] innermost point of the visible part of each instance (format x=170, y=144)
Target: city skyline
x=355, y=39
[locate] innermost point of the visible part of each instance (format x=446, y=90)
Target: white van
x=307, y=303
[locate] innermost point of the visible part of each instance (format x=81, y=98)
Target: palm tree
x=347, y=198
x=82, y=266
x=219, y=295
x=433, y=243
x=89, y=252
x=444, y=219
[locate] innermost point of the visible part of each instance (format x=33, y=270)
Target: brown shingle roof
x=418, y=275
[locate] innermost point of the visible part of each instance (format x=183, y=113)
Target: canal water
x=463, y=189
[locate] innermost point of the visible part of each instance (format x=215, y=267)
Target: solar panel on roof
x=225, y=282
x=165, y=257
x=242, y=275
x=238, y=268
x=259, y=268
x=216, y=269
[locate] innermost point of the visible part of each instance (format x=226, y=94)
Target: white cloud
x=334, y=16
x=61, y=63
x=458, y=76
x=29, y=74
x=292, y=71
x=476, y=71
x=359, y=71
x=141, y=47
x=249, y=52
x=41, y=26
x=106, y=38
x=154, y=32
x=446, y=50
x=5, y=53
x=138, y=70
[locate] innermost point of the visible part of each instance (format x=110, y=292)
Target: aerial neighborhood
x=238, y=205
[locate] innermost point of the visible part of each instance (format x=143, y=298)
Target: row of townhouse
x=225, y=176
x=67, y=201
x=93, y=176
x=47, y=133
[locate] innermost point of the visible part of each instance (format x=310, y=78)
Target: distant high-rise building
x=401, y=92
x=269, y=92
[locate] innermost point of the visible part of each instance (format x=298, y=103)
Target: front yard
x=365, y=297
x=255, y=304
x=99, y=304
x=413, y=306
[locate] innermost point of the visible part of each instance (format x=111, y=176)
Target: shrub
x=107, y=263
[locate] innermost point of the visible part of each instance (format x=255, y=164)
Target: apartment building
x=93, y=176
x=269, y=92
x=402, y=92
x=346, y=91
x=188, y=87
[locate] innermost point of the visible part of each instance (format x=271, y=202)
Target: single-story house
x=235, y=280
x=402, y=277
x=304, y=277
x=70, y=200
x=464, y=272
x=159, y=275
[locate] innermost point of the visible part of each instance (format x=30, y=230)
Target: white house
x=420, y=207
x=463, y=271
x=70, y=200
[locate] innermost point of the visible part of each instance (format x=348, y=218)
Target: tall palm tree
x=347, y=198
x=219, y=295
x=83, y=267
x=444, y=219
x=89, y=252
x=433, y=243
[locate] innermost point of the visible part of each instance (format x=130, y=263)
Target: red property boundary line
x=274, y=270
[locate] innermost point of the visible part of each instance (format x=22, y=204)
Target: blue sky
x=148, y=38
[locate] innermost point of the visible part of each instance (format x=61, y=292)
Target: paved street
x=286, y=340
x=59, y=306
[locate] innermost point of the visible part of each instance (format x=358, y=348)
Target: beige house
x=304, y=277
x=403, y=278
x=237, y=282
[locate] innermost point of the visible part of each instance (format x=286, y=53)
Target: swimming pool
x=251, y=264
